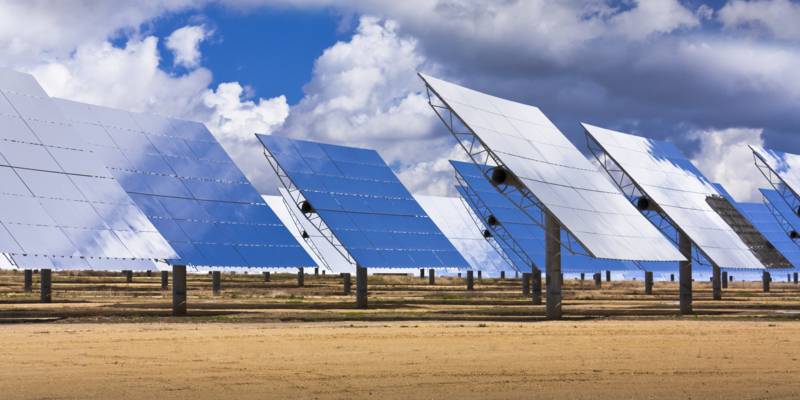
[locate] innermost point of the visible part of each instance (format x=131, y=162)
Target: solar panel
x=57, y=199
x=452, y=217
x=542, y=172
x=357, y=202
x=189, y=189
x=519, y=231
x=664, y=176
x=782, y=170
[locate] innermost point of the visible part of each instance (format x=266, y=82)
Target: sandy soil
x=677, y=358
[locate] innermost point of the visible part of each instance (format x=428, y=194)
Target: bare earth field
x=104, y=338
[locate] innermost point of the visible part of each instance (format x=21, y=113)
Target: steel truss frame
x=785, y=225
x=632, y=192
x=487, y=160
x=787, y=193
x=491, y=240
x=313, y=217
x=307, y=237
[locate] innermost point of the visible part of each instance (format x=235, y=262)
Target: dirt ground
x=104, y=338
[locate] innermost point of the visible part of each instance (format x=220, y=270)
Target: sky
x=709, y=76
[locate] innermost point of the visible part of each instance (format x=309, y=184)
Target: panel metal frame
x=632, y=191
x=313, y=217
x=784, y=223
x=787, y=193
x=308, y=240
x=487, y=160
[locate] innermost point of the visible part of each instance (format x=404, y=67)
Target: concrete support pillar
x=553, y=275
x=178, y=290
x=608, y=276
x=685, y=274
x=346, y=283
x=766, y=279
x=502, y=274
x=598, y=280
x=300, y=277
x=724, y=279
x=215, y=282
x=716, y=285
x=266, y=276
x=795, y=278
x=316, y=270
x=479, y=274
x=536, y=286
x=422, y=273
x=164, y=280
x=46, y=286
x=470, y=283
x=526, y=283
x=128, y=276
x=582, y=276
x=431, y=277
x=361, y=287
x=28, y=285
x=648, y=282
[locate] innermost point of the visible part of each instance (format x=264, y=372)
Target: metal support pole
x=502, y=274
x=422, y=273
x=346, y=283
x=648, y=282
x=128, y=276
x=672, y=277
x=536, y=286
x=470, y=284
x=795, y=278
x=28, y=281
x=724, y=279
x=526, y=283
x=598, y=280
x=685, y=273
x=479, y=274
x=316, y=270
x=164, y=280
x=149, y=273
x=766, y=279
x=716, y=285
x=300, y=277
x=553, y=270
x=431, y=277
x=266, y=276
x=178, y=290
x=582, y=276
x=361, y=287
x=215, y=283
x=608, y=276
x=46, y=286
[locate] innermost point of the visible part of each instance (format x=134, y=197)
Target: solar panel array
x=452, y=217
x=188, y=187
x=766, y=222
x=786, y=165
x=58, y=200
x=559, y=176
x=364, y=204
x=528, y=235
x=667, y=177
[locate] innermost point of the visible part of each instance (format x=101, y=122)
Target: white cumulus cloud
x=185, y=44
x=776, y=17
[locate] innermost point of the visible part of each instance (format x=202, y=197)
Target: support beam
x=479, y=274
x=583, y=276
x=598, y=280
x=149, y=273
x=672, y=277
x=346, y=283
x=795, y=278
x=716, y=285
x=648, y=282
x=28, y=285
x=215, y=283
x=46, y=286
x=316, y=270
x=178, y=290
x=361, y=287
x=431, y=276
x=128, y=276
x=536, y=286
x=164, y=280
x=502, y=274
x=470, y=283
x=724, y=279
x=553, y=267
x=766, y=279
x=266, y=276
x=685, y=273
x=526, y=283
x=300, y=277
x=422, y=273
x=608, y=276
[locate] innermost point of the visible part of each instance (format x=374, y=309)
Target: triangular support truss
x=306, y=237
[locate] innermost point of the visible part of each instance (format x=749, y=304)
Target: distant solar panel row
x=189, y=188
x=364, y=204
